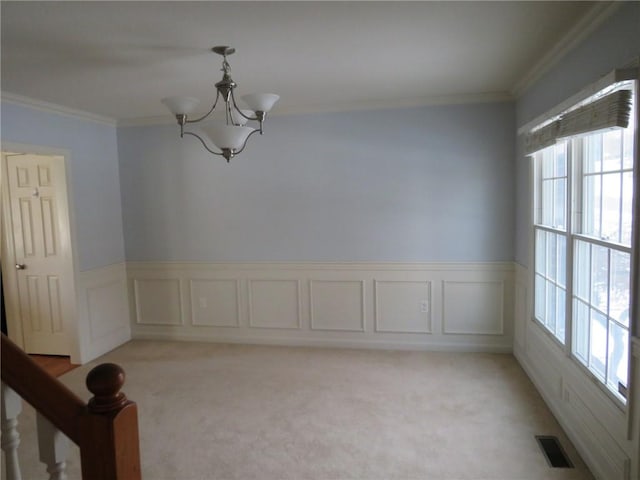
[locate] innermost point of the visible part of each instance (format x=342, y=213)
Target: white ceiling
x=118, y=59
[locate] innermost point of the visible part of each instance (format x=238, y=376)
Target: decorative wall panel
x=473, y=307
x=402, y=306
x=158, y=302
x=274, y=303
x=103, y=306
x=337, y=305
x=215, y=302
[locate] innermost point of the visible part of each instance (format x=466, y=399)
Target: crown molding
x=496, y=97
x=43, y=106
x=585, y=26
x=55, y=108
x=147, y=121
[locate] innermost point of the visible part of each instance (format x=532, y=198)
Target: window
x=583, y=199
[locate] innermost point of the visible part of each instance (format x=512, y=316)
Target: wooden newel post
x=109, y=447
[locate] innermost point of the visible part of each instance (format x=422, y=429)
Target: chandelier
x=230, y=137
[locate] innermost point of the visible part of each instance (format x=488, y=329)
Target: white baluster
x=54, y=447
x=11, y=408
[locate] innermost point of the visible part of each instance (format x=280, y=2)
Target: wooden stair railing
x=105, y=429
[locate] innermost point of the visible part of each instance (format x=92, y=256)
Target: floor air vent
x=553, y=452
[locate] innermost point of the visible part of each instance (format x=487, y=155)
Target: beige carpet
x=212, y=411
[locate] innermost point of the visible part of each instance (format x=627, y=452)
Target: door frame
x=9, y=276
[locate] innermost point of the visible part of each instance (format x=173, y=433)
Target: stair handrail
x=105, y=429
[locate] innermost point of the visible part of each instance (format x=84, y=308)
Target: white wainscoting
x=598, y=427
x=465, y=307
x=103, y=312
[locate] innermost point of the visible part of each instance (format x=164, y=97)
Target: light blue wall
x=417, y=184
x=615, y=43
x=95, y=182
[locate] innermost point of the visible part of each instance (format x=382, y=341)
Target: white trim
x=327, y=343
x=598, y=13
x=359, y=266
x=55, y=108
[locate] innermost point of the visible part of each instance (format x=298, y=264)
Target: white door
x=41, y=241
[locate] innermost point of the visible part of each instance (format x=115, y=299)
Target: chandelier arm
x=208, y=113
x=245, y=141
x=235, y=105
x=203, y=143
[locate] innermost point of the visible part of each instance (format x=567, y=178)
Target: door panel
x=44, y=270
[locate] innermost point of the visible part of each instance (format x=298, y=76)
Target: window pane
x=611, y=150
x=562, y=261
x=550, y=320
x=552, y=256
x=627, y=205
x=560, y=165
x=598, y=344
x=559, y=203
x=547, y=203
x=582, y=270
x=581, y=331
x=618, y=357
x=560, y=313
x=599, y=277
x=591, y=205
x=547, y=162
x=540, y=298
x=593, y=153
x=541, y=251
x=619, y=293
x=611, y=189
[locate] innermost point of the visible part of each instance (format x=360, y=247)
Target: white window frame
x=572, y=220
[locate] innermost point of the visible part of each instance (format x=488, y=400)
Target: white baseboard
x=452, y=307
x=327, y=343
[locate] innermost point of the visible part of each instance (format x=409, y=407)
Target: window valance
x=598, y=113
